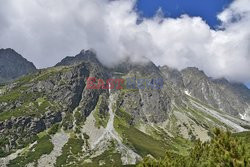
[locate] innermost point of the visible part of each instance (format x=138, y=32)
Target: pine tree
x=224, y=150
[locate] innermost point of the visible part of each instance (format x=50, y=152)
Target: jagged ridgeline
x=49, y=117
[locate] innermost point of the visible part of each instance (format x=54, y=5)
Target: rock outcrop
x=13, y=65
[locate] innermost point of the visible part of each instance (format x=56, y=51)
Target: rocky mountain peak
x=84, y=55
x=194, y=71
x=145, y=66
x=13, y=65
x=173, y=75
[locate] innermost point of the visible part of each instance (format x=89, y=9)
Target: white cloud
x=46, y=31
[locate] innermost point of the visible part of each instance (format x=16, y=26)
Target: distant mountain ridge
x=13, y=65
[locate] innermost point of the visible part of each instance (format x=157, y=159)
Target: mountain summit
x=13, y=65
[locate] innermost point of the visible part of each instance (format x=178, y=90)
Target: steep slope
x=84, y=55
x=37, y=101
x=13, y=65
x=221, y=94
x=232, y=98
x=111, y=127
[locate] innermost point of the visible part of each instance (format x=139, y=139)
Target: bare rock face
x=36, y=102
x=84, y=55
x=188, y=104
x=174, y=76
x=13, y=65
x=220, y=93
x=18, y=132
x=144, y=102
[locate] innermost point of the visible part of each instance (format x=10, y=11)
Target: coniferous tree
x=223, y=150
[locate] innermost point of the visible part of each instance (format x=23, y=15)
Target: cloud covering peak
x=46, y=31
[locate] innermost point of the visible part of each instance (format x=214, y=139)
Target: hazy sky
x=46, y=31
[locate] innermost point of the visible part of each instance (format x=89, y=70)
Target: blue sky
x=207, y=9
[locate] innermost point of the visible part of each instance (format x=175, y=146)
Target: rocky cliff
x=93, y=127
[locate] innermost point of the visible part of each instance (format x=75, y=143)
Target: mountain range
x=48, y=117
